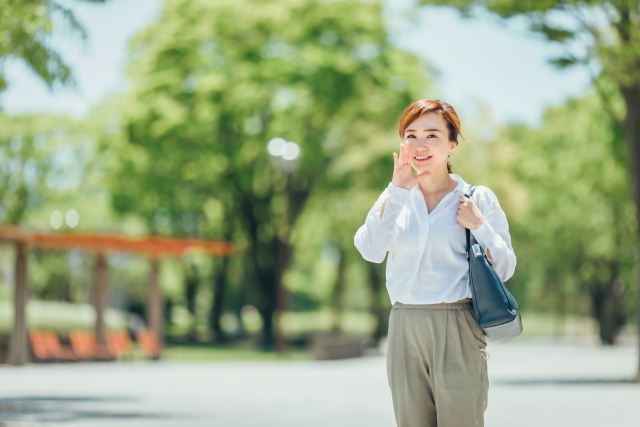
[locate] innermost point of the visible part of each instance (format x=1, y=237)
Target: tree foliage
x=598, y=34
x=41, y=158
x=26, y=27
x=214, y=81
x=564, y=186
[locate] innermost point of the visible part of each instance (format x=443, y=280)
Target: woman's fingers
x=404, y=158
x=468, y=214
x=461, y=207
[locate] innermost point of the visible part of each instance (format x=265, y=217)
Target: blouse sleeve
x=373, y=238
x=494, y=234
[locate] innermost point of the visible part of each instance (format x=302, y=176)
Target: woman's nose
x=419, y=143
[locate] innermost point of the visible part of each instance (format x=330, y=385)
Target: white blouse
x=427, y=261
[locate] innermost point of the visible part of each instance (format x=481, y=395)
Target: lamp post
x=284, y=156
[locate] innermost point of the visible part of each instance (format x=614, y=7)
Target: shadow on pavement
x=70, y=408
x=565, y=382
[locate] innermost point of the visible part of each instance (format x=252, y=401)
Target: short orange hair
x=424, y=106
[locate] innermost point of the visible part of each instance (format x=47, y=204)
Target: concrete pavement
x=540, y=382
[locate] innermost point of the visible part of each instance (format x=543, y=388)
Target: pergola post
x=155, y=311
x=18, y=346
x=100, y=297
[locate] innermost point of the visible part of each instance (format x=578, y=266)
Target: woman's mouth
x=422, y=159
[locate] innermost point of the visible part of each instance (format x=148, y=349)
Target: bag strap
x=472, y=188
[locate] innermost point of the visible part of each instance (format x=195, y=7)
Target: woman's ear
x=452, y=145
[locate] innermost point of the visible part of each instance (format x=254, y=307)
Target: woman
x=436, y=362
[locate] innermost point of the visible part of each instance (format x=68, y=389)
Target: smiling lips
x=421, y=159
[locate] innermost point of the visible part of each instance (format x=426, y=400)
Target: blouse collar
x=462, y=186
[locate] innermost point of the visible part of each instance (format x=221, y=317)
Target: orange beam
x=152, y=245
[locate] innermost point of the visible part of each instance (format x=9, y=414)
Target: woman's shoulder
x=484, y=191
x=484, y=196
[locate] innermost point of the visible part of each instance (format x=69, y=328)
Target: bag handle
x=472, y=188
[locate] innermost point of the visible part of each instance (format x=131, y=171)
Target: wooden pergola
x=101, y=245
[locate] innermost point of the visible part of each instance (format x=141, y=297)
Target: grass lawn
x=186, y=352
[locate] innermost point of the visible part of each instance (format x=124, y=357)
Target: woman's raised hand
x=402, y=174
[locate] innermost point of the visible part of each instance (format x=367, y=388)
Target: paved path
x=533, y=383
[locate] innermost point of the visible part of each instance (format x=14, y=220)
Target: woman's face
x=428, y=138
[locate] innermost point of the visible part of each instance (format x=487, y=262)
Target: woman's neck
x=437, y=182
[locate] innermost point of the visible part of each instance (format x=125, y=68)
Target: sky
x=482, y=67
x=98, y=64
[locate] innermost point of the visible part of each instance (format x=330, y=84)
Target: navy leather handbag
x=494, y=308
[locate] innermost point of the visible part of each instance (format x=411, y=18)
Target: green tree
x=564, y=187
x=327, y=228
x=337, y=208
x=26, y=27
x=215, y=81
x=578, y=236
x=41, y=158
x=596, y=34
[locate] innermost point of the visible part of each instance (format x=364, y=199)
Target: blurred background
x=181, y=181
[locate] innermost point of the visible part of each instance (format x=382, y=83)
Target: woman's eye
x=411, y=136
x=431, y=136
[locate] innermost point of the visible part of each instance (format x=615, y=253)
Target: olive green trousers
x=436, y=365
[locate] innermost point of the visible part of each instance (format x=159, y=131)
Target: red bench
x=85, y=345
x=46, y=347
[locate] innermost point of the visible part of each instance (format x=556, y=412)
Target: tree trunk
x=217, y=306
x=338, y=295
x=264, y=258
x=191, y=290
x=282, y=263
x=155, y=303
x=19, y=342
x=100, y=297
x=608, y=310
x=270, y=258
x=631, y=96
x=268, y=310
x=377, y=283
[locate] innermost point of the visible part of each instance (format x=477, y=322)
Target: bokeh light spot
x=277, y=146
x=55, y=219
x=291, y=151
x=72, y=218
